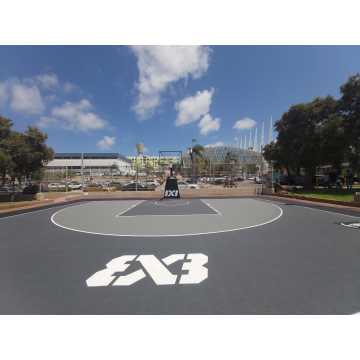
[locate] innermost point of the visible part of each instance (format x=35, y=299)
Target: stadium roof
x=91, y=156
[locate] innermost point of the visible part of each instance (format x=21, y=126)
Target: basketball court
x=181, y=256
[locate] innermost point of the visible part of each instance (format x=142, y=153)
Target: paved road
x=303, y=263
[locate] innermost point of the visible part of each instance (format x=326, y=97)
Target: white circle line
x=167, y=235
x=41, y=210
x=313, y=208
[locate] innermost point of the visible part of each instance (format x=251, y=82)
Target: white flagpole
x=256, y=140
x=271, y=130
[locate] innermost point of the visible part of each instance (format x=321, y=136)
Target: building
x=93, y=164
x=154, y=162
x=228, y=159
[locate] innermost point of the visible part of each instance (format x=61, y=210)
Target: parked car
x=193, y=186
x=219, y=180
x=56, y=187
x=74, y=185
x=5, y=189
x=140, y=187
x=238, y=178
x=151, y=182
x=297, y=180
x=31, y=189
x=185, y=185
x=93, y=186
x=116, y=185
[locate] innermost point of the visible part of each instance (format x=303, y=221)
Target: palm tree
x=196, y=151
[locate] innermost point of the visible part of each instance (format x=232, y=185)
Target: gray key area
x=171, y=207
x=159, y=218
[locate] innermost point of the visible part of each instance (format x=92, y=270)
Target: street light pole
x=272, y=176
x=82, y=172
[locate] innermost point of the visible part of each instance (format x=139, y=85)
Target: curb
x=317, y=200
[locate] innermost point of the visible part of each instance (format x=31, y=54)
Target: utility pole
x=66, y=178
x=139, y=151
x=82, y=171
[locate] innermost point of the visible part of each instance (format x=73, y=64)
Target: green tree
x=29, y=153
x=333, y=143
x=309, y=135
x=196, y=153
x=5, y=128
x=149, y=168
x=349, y=105
x=5, y=158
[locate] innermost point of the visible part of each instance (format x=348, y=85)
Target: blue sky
x=108, y=98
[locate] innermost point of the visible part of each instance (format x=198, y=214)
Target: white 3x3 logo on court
x=171, y=193
x=193, y=265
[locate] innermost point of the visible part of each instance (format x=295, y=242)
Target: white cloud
x=69, y=87
x=48, y=81
x=3, y=93
x=207, y=124
x=78, y=116
x=216, y=144
x=244, y=124
x=26, y=99
x=191, y=108
x=159, y=66
x=46, y=122
x=106, y=142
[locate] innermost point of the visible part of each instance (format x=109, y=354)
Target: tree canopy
x=22, y=154
x=324, y=131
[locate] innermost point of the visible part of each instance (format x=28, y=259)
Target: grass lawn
x=327, y=194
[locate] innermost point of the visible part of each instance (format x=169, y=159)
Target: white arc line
x=168, y=235
x=40, y=210
x=311, y=208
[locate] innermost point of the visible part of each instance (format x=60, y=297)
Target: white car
x=56, y=186
x=152, y=182
x=74, y=186
x=185, y=185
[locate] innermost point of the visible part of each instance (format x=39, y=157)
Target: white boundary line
x=211, y=207
x=167, y=215
x=41, y=210
x=169, y=235
x=128, y=209
x=315, y=209
x=350, y=227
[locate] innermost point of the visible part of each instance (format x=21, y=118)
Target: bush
x=31, y=189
